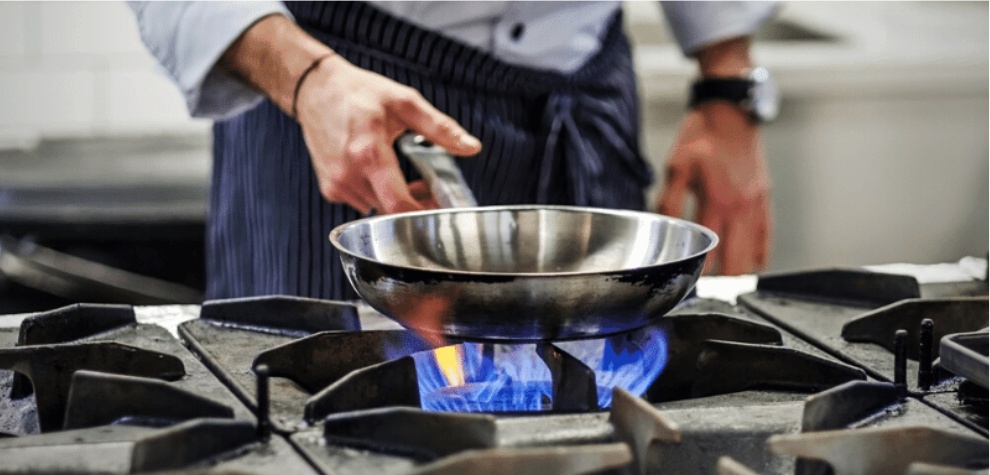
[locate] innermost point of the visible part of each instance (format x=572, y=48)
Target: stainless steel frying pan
x=518, y=272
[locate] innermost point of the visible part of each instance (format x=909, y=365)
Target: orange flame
x=449, y=359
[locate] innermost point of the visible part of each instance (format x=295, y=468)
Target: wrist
x=756, y=93
x=272, y=56
x=719, y=115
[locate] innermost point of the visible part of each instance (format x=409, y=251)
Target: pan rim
x=340, y=229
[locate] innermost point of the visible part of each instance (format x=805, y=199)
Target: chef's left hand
x=718, y=157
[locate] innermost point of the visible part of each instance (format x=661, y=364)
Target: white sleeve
x=696, y=24
x=188, y=39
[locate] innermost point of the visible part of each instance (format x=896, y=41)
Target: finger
x=419, y=190
x=352, y=200
x=355, y=191
x=675, y=190
x=422, y=194
x=348, y=194
x=742, y=244
x=439, y=128
x=364, y=196
x=375, y=160
x=428, y=204
x=388, y=184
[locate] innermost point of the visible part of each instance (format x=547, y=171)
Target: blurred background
x=880, y=153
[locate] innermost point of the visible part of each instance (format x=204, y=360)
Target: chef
x=540, y=97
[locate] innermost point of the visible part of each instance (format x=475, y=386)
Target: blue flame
x=631, y=362
x=513, y=378
x=496, y=378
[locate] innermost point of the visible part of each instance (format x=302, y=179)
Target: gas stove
x=842, y=371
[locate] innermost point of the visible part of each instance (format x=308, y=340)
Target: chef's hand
x=718, y=157
x=349, y=116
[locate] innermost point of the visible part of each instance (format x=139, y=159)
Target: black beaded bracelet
x=302, y=77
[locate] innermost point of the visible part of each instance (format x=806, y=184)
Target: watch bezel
x=763, y=102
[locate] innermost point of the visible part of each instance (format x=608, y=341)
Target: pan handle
x=439, y=171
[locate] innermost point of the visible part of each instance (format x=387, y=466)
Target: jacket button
x=517, y=31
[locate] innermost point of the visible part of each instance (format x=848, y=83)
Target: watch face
x=764, y=100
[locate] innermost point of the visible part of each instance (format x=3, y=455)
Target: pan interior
x=524, y=240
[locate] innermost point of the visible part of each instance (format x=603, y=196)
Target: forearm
x=729, y=58
x=271, y=56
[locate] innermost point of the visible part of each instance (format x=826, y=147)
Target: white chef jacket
x=188, y=38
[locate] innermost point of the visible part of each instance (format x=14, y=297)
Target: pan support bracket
x=640, y=425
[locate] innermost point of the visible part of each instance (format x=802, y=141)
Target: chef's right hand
x=349, y=116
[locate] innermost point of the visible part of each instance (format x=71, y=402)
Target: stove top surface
x=805, y=371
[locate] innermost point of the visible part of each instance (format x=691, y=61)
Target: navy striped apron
x=549, y=138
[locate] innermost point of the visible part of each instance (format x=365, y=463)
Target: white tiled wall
x=87, y=28
x=880, y=154
x=80, y=69
x=13, y=27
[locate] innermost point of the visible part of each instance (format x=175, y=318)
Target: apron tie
x=580, y=130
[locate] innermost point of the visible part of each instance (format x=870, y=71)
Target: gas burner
x=888, y=325
x=834, y=371
x=688, y=354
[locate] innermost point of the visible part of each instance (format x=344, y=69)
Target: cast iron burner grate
x=888, y=325
x=288, y=385
x=692, y=353
x=110, y=395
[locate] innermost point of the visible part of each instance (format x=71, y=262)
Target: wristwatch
x=755, y=93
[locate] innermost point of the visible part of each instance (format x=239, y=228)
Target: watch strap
x=735, y=90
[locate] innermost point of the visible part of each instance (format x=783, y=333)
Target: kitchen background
x=880, y=153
